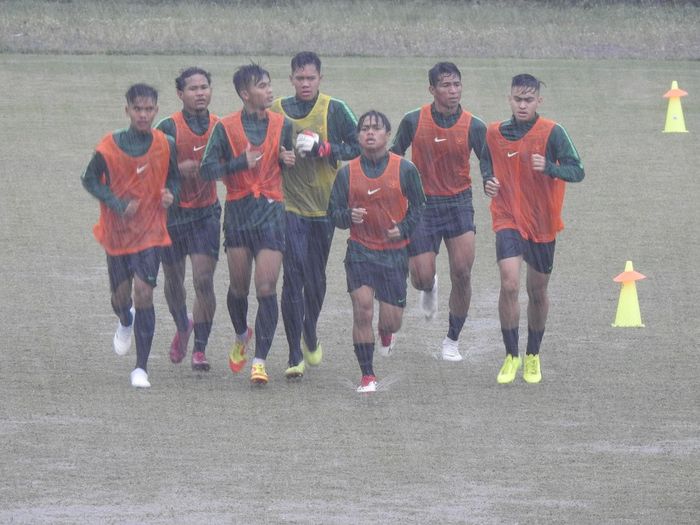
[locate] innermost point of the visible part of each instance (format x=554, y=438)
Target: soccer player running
x=442, y=136
x=326, y=134
x=525, y=164
x=247, y=149
x=379, y=197
x=193, y=224
x=133, y=173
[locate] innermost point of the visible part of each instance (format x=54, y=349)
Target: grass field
x=609, y=436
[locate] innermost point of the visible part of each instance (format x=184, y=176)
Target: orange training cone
x=628, y=306
x=675, y=123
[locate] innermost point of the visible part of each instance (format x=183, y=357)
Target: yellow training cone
x=628, y=305
x=675, y=123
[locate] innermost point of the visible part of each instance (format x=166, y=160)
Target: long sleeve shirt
x=562, y=159
x=134, y=144
x=340, y=212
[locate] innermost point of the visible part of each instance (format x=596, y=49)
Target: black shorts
x=539, y=255
x=202, y=236
x=438, y=223
x=269, y=236
x=389, y=284
x=145, y=264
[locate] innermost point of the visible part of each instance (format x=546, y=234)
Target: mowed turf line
x=610, y=435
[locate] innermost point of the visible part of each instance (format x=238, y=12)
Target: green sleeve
x=174, y=178
x=218, y=160
x=338, y=207
x=405, y=133
x=477, y=136
x=485, y=163
x=92, y=182
x=167, y=126
x=342, y=131
x=412, y=188
x=563, y=161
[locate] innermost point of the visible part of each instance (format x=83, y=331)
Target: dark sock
x=182, y=322
x=364, y=353
x=144, y=327
x=534, y=340
x=201, y=336
x=124, y=314
x=456, y=324
x=238, y=312
x=265, y=325
x=510, y=340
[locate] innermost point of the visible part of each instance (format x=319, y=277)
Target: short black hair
x=141, y=90
x=181, y=80
x=306, y=58
x=527, y=81
x=375, y=115
x=248, y=75
x=440, y=69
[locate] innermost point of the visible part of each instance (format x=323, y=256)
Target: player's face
x=141, y=113
x=258, y=96
x=524, y=102
x=373, y=136
x=196, y=95
x=306, y=81
x=447, y=93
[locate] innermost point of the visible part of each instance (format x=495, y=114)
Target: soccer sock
x=238, y=312
x=124, y=314
x=144, y=327
x=265, y=325
x=182, y=322
x=456, y=324
x=385, y=338
x=201, y=335
x=534, y=340
x=510, y=339
x=364, y=353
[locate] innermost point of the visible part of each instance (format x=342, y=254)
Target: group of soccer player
x=286, y=192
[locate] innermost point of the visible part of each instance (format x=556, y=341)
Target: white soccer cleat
x=386, y=350
x=429, y=300
x=139, y=378
x=450, y=350
x=122, y=336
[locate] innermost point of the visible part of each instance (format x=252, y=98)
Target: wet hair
x=141, y=90
x=187, y=73
x=441, y=69
x=248, y=75
x=375, y=115
x=524, y=80
x=306, y=58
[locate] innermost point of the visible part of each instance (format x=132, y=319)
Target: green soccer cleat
x=313, y=358
x=295, y=372
x=531, y=371
x=508, y=370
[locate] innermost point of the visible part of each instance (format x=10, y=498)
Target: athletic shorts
x=269, y=236
x=389, y=284
x=539, y=255
x=438, y=223
x=202, y=236
x=144, y=264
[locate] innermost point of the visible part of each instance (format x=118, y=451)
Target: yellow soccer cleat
x=313, y=358
x=258, y=376
x=532, y=372
x=236, y=357
x=508, y=370
x=294, y=372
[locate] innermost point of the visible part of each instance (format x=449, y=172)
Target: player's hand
x=310, y=144
x=252, y=156
x=358, y=215
x=491, y=187
x=131, y=208
x=189, y=169
x=288, y=157
x=166, y=198
x=538, y=162
x=394, y=234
